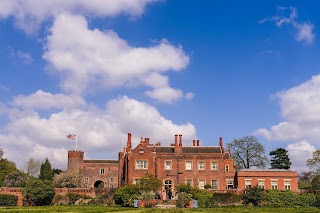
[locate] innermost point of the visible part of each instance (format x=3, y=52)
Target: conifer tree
x=280, y=159
x=46, y=171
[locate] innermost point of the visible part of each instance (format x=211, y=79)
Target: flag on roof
x=72, y=136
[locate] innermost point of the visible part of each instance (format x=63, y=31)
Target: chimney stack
x=220, y=144
x=198, y=142
x=147, y=140
x=129, y=140
x=180, y=140
x=176, y=140
x=194, y=142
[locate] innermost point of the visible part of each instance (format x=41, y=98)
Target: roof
x=201, y=149
x=164, y=149
x=265, y=170
x=189, y=149
x=100, y=161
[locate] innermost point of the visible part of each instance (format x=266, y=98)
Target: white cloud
x=99, y=59
x=298, y=153
x=29, y=14
x=99, y=130
x=304, y=30
x=45, y=100
x=24, y=56
x=300, y=109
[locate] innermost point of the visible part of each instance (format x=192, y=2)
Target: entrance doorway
x=98, y=184
x=168, y=185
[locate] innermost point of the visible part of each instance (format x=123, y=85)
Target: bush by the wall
x=253, y=196
x=38, y=193
x=8, y=200
x=125, y=195
x=183, y=199
x=221, y=199
x=276, y=198
x=204, y=198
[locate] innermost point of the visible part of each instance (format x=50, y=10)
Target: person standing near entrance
x=170, y=194
x=164, y=195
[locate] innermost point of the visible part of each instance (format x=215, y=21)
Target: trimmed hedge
x=8, y=200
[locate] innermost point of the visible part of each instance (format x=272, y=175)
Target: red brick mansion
x=177, y=164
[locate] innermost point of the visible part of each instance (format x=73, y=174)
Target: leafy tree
x=6, y=167
x=314, y=162
x=68, y=179
x=149, y=183
x=56, y=171
x=16, y=179
x=248, y=152
x=280, y=159
x=38, y=193
x=305, y=179
x=46, y=171
x=315, y=183
x=32, y=167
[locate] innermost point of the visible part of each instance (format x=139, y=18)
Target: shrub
x=183, y=199
x=184, y=188
x=8, y=200
x=207, y=186
x=16, y=179
x=315, y=183
x=204, y=198
x=38, y=193
x=106, y=199
x=73, y=197
x=125, y=195
x=226, y=198
x=253, y=195
x=276, y=198
x=68, y=179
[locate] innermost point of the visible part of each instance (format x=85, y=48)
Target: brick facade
x=176, y=164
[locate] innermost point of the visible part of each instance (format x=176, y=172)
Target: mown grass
x=101, y=209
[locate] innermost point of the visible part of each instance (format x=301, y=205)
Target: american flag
x=72, y=136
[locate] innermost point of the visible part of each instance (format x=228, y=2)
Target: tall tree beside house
x=6, y=167
x=32, y=167
x=314, y=162
x=46, y=171
x=280, y=159
x=248, y=152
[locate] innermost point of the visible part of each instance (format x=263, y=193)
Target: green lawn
x=100, y=209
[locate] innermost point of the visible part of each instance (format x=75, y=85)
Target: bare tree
x=314, y=162
x=248, y=152
x=1, y=154
x=32, y=167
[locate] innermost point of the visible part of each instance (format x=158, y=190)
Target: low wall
x=59, y=191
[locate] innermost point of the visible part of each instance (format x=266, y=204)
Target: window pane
x=201, y=184
x=214, y=166
x=188, y=165
x=214, y=184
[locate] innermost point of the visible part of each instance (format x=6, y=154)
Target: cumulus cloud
x=300, y=109
x=92, y=59
x=100, y=131
x=45, y=100
x=304, y=30
x=299, y=152
x=29, y=14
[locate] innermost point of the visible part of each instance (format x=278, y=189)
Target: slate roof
x=164, y=149
x=264, y=170
x=190, y=149
x=201, y=149
x=100, y=161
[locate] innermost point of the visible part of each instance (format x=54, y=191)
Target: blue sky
x=204, y=69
